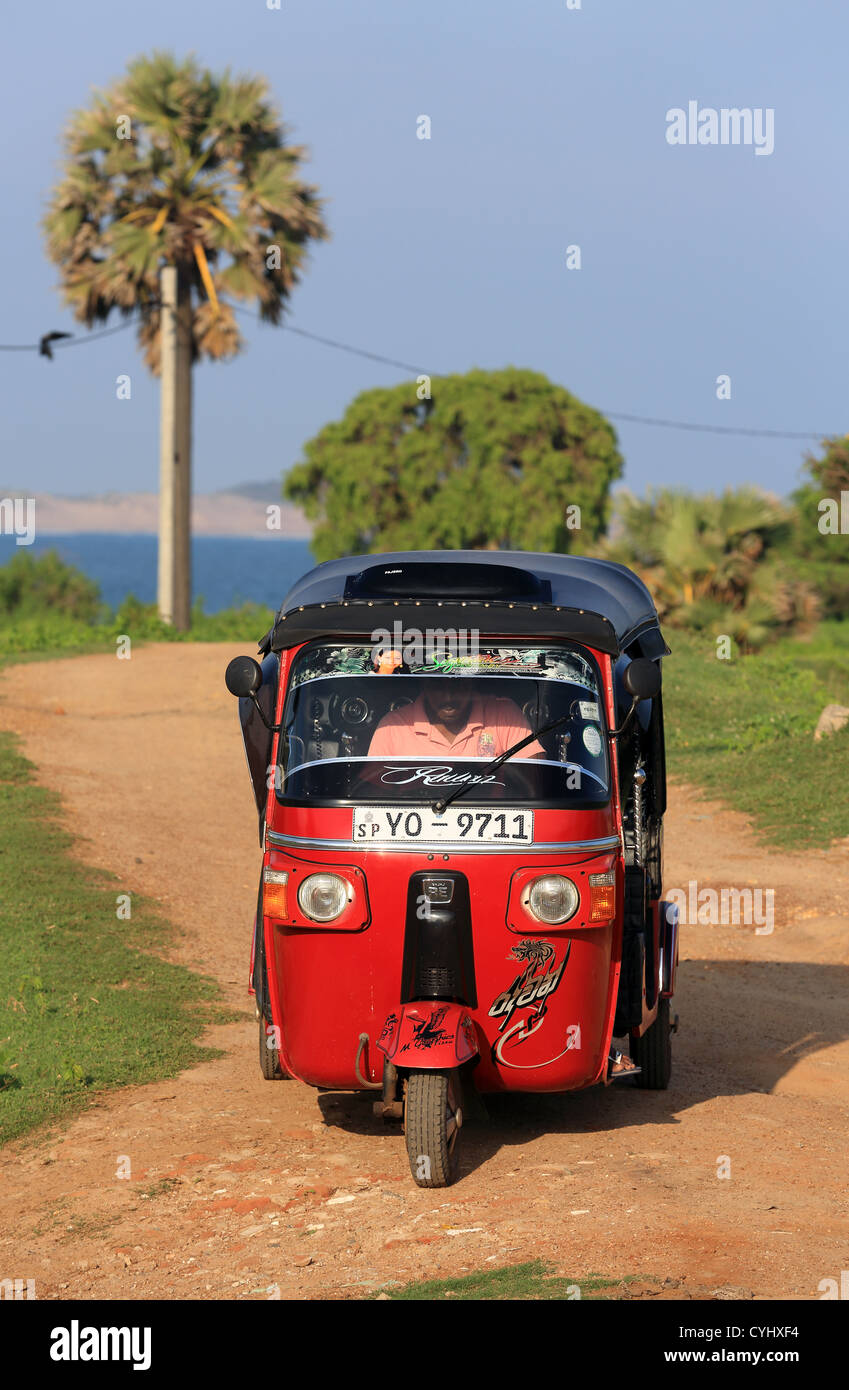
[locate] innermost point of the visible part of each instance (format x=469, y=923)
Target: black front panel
x=438, y=956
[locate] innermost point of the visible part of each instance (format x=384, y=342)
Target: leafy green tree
x=718, y=564
x=493, y=460
x=822, y=549
x=176, y=166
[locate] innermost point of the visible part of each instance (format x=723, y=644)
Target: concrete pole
x=174, y=568
x=167, y=441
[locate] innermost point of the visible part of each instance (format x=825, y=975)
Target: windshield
x=357, y=728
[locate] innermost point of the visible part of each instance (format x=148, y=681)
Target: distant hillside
x=267, y=491
x=239, y=511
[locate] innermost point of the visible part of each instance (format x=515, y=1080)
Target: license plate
x=399, y=825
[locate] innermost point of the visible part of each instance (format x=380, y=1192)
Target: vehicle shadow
x=745, y=1026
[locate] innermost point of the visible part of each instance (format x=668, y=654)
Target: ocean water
x=226, y=570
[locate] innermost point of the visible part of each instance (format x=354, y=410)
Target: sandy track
x=272, y=1186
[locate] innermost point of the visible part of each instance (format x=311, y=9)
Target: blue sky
x=548, y=129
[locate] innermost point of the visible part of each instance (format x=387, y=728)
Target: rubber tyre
x=653, y=1052
x=269, y=1060
x=431, y=1099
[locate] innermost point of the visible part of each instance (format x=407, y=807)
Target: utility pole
x=174, y=576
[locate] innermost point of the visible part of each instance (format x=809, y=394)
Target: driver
x=448, y=714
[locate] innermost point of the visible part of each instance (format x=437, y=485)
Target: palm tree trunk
x=183, y=526
x=175, y=474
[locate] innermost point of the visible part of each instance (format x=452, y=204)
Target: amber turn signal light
x=603, y=896
x=275, y=898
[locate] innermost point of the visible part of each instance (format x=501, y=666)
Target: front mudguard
x=429, y=1036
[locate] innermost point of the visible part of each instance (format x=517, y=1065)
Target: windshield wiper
x=440, y=806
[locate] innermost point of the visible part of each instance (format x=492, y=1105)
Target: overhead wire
x=752, y=432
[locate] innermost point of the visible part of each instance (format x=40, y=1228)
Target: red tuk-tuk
x=458, y=764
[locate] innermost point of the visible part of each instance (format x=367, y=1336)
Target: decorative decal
x=388, y=1029
x=427, y=1032
x=435, y=775
x=527, y=986
x=532, y=989
x=469, y=1033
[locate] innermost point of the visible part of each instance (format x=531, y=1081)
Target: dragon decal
x=427, y=1033
x=531, y=989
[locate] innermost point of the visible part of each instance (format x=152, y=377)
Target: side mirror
x=243, y=676
x=642, y=679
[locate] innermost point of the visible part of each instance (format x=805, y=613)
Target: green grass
x=533, y=1280
x=31, y=636
x=162, y=1188
x=85, y=1004
x=744, y=730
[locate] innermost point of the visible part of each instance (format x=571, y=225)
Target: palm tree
x=715, y=560
x=174, y=169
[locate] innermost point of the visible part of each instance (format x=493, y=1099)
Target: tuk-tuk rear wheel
x=653, y=1052
x=432, y=1120
x=269, y=1057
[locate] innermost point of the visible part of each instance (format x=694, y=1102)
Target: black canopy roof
x=596, y=602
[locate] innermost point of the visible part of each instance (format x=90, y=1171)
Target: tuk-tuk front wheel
x=432, y=1121
x=653, y=1052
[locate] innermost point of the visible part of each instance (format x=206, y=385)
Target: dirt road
x=240, y=1186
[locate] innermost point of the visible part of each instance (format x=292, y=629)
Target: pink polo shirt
x=494, y=725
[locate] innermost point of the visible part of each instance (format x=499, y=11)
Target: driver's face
x=447, y=701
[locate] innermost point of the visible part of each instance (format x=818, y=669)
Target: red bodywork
x=546, y=996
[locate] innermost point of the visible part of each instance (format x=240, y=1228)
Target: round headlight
x=553, y=899
x=323, y=896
